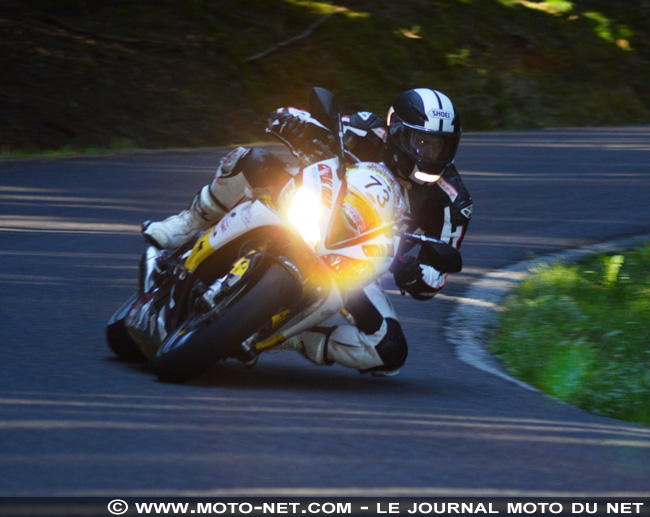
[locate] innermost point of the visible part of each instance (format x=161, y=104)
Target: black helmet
x=423, y=135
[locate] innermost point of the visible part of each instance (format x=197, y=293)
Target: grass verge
x=581, y=333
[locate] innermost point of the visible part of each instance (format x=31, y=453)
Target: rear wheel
x=197, y=346
x=118, y=338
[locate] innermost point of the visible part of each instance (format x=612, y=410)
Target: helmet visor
x=428, y=146
x=430, y=149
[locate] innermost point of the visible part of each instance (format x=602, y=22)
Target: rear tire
x=118, y=338
x=186, y=353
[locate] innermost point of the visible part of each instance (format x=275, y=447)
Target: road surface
x=74, y=421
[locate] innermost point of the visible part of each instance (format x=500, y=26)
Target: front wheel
x=194, y=348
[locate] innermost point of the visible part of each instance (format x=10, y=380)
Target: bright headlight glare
x=304, y=215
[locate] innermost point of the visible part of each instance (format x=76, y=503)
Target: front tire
x=190, y=351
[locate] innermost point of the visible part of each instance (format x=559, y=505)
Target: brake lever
x=297, y=153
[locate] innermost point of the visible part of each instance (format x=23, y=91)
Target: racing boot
x=177, y=229
x=208, y=206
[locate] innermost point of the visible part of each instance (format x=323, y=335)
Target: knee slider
x=393, y=348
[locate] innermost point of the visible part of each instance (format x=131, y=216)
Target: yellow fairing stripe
x=200, y=252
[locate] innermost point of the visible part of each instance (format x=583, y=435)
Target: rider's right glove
x=303, y=132
x=406, y=272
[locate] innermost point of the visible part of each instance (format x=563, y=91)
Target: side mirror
x=324, y=108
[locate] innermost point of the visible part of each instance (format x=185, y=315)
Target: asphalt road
x=75, y=421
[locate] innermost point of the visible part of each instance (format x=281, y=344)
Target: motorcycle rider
x=418, y=144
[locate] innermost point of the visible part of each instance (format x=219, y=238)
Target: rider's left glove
x=406, y=272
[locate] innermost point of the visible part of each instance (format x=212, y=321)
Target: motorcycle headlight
x=304, y=215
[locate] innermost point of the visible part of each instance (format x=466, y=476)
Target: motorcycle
x=270, y=268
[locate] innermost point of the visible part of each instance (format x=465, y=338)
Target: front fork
x=207, y=297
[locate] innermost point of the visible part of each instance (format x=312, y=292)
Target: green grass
x=581, y=332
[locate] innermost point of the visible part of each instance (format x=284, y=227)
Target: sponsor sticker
x=440, y=114
x=448, y=188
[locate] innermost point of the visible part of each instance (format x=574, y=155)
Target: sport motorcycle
x=271, y=268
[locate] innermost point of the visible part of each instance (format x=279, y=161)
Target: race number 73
x=384, y=190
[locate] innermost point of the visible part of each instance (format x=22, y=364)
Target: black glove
x=292, y=128
x=303, y=132
x=406, y=272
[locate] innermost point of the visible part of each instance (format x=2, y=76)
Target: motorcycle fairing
x=155, y=310
x=236, y=223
